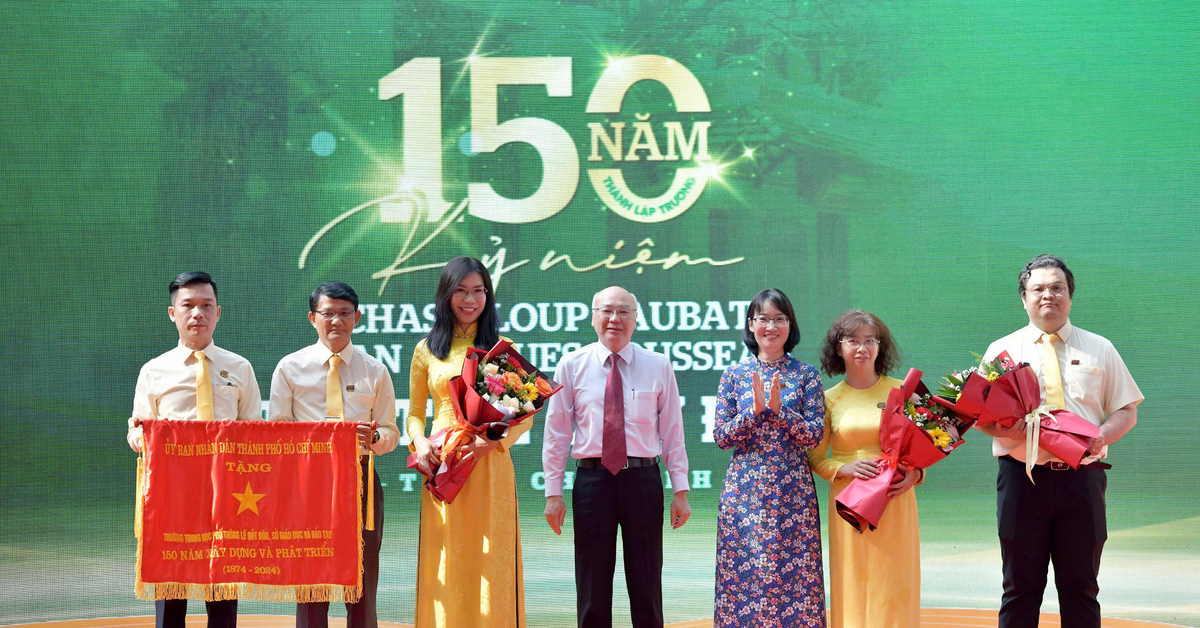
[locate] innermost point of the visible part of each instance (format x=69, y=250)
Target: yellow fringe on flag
x=248, y=591
x=370, y=490
x=359, y=587
x=140, y=490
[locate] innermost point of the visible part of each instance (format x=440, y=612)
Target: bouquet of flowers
x=1002, y=392
x=509, y=387
x=965, y=392
x=943, y=426
x=496, y=390
x=915, y=433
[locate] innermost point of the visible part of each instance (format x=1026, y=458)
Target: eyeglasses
x=331, y=315
x=763, y=321
x=1056, y=289
x=622, y=312
x=479, y=294
x=855, y=343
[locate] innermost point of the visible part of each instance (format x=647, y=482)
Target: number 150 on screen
x=419, y=81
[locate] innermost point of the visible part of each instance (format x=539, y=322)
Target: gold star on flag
x=248, y=500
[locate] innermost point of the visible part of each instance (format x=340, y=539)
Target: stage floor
x=942, y=617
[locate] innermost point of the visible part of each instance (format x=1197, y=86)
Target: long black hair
x=488, y=329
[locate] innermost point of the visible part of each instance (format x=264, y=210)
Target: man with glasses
x=333, y=380
x=620, y=404
x=1060, y=516
x=195, y=381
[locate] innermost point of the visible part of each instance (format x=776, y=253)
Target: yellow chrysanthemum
x=530, y=391
x=941, y=438
x=993, y=376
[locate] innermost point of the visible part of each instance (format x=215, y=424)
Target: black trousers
x=1061, y=518
x=360, y=614
x=600, y=502
x=173, y=613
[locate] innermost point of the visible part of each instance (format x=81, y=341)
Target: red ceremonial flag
x=250, y=510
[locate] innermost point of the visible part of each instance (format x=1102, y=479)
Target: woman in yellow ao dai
x=874, y=577
x=469, y=561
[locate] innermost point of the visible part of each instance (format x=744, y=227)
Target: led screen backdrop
x=902, y=157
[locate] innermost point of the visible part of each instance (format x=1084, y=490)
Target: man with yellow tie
x=333, y=380
x=1060, y=516
x=195, y=381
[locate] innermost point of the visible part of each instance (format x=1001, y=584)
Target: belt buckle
x=626, y=463
x=1058, y=466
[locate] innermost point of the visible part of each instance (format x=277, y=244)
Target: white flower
x=511, y=402
x=503, y=409
x=528, y=407
x=491, y=369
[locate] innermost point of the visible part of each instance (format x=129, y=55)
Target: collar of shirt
x=321, y=353
x=1033, y=333
x=601, y=353
x=211, y=350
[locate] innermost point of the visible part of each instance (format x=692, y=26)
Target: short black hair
x=333, y=290
x=780, y=301
x=1046, y=260
x=189, y=278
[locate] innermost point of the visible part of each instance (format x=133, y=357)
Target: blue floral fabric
x=768, y=528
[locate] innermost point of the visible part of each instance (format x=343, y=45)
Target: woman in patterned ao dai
x=770, y=410
x=874, y=577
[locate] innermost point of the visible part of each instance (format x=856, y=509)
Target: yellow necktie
x=333, y=390
x=204, y=391
x=1053, y=376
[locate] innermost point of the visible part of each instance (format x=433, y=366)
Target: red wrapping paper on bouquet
x=904, y=443
x=474, y=415
x=1017, y=396
x=972, y=399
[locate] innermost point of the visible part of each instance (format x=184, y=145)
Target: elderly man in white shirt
x=620, y=405
x=1059, y=517
x=195, y=381
x=335, y=380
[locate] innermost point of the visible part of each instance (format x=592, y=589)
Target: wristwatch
x=375, y=437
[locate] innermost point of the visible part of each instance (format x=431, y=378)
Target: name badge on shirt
x=225, y=374
x=350, y=388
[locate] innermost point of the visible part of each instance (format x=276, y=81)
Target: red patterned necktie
x=613, y=455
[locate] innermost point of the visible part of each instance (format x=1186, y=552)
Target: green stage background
x=903, y=157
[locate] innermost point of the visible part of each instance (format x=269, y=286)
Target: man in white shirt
x=1059, y=517
x=195, y=381
x=335, y=380
x=621, y=404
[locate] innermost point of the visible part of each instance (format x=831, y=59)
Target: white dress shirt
x=1095, y=380
x=298, y=391
x=166, y=388
x=653, y=414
